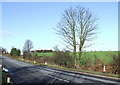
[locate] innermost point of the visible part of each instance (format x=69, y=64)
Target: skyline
x=35, y=20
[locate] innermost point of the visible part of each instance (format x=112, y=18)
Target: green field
x=105, y=56
x=42, y=54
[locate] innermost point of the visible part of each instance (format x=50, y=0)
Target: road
x=22, y=72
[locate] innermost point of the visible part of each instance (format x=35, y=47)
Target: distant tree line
x=42, y=51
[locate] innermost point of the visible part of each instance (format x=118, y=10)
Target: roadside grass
x=68, y=69
x=4, y=78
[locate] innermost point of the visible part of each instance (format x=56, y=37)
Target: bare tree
x=28, y=46
x=86, y=28
x=77, y=24
x=67, y=28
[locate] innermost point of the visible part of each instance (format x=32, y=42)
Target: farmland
x=105, y=56
x=42, y=54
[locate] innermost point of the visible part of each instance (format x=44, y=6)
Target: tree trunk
x=74, y=49
x=74, y=54
x=80, y=52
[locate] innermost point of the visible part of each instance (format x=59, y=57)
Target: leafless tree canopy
x=66, y=27
x=28, y=46
x=78, y=21
x=77, y=26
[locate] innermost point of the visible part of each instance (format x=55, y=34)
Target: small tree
x=18, y=52
x=28, y=46
x=13, y=52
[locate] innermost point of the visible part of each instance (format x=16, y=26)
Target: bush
x=63, y=59
x=97, y=61
x=89, y=62
x=115, y=64
x=37, y=58
x=26, y=54
x=48, y=59
x=83, y=61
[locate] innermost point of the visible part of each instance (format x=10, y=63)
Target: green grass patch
x=4, y=77
x=43, y=54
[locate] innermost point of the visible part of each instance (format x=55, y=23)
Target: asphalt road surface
x=23, y=73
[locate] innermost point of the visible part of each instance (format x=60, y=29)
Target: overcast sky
x=35, y=20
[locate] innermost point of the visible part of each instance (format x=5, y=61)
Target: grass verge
x=4, y=78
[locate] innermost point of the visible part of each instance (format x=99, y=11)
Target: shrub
x=89, y=62
x=35, y=56
x=115, y=64
x=26, y=54
x=83, y=61
x=48, y=59
x=63, y=59
x=97, y=61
